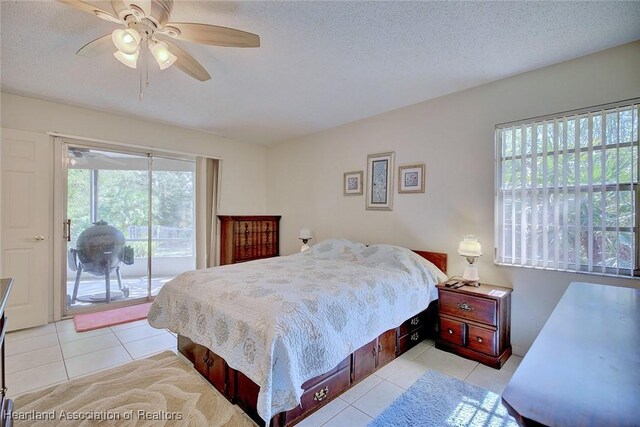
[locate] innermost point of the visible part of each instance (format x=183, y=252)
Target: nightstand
x=475, y=322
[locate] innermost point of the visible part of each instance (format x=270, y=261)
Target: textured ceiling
x=321, y=64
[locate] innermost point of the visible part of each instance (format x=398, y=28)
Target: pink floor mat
x=88, y=322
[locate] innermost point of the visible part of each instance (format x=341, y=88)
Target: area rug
x=117, y=316
x=438, y=400
x=159, y=391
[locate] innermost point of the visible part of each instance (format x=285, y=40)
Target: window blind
x=567, y=194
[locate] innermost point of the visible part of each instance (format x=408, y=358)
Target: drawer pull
x=415, y=321
x=321, y=395
x=415, y=336
x=450, y=331
x=479, y=339
x=464, y=306
x=208, y=360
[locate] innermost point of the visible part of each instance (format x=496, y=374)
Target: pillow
x=335, y=249
x=431, y=266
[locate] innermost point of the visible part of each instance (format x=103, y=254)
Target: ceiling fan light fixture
x=161, y=53
x=126, y=41
x=130, y=61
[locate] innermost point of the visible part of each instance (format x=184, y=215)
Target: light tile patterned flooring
x=51, y=354
x=40, y=357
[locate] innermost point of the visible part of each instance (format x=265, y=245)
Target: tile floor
x=47, y=355
x=50, y=354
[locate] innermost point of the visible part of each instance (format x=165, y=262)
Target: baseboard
x=519, y=350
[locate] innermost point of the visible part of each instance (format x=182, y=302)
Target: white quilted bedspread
x=282, y=321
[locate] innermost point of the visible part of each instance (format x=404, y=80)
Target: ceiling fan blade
x=187, y=63
x=89, y=8
x=97, y=47
x=213, y=35
x=138, y=7
x=118, y=6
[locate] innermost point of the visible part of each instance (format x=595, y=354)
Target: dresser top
x=584, y=366
x=484, y=290
x=248, y=217
x=5, y=289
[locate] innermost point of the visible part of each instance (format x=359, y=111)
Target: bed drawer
x=346, y=363
x=453, y=331
x=468, y=307
x=413, y=323
x=483, y=340
x=410, y=340
x=320, y=394
x=212, y=367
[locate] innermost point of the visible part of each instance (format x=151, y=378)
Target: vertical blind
x=567, y=194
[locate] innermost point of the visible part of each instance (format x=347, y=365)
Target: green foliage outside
x=123, y=201
x=613, y=159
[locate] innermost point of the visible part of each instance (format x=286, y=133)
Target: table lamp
x=470, y=249
x=305, y=235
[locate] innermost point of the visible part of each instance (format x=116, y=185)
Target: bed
x=283, y=336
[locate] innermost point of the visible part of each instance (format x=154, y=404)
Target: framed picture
x=353, y=183
x=380, y=181
x=411, y=179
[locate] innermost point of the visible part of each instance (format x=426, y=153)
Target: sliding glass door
x=172, y=220
x=129, y=225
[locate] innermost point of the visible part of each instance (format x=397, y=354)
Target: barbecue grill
x=99, y=250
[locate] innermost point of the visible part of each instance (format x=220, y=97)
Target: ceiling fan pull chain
x=146, y=67
x=143, y=63
x=140, y=97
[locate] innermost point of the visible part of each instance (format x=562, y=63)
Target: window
x=567, y=193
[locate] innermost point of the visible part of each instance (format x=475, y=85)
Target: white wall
x=243, y=165
x=454, y=135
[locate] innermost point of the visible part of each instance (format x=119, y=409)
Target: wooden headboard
x=438, y=259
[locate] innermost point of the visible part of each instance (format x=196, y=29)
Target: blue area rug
x=438, y=400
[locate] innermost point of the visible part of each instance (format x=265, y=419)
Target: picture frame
x=352, y=185
x=411, y=178
x=380, y=181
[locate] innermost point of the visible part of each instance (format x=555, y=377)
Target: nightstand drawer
x=468, y=307
x=483, y=340
x=453, y=331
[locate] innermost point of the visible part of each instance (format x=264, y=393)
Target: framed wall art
x=411, y=178
x=352, y=185
x=380, y=181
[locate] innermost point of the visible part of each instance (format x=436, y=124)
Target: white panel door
x=26, y=199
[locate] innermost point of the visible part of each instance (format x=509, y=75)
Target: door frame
x=59, y=216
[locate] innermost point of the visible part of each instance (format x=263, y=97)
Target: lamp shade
x=130, y=61
x=305, y=233
x=160, y=51
x=470, y=246
x=126, y=41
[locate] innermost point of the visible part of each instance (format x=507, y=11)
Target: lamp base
x=471, y=273
x=304, y=247
x=474, y=283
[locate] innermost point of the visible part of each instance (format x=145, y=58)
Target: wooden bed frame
x=318, y=391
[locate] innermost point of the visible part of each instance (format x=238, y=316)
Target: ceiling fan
x=147, y=24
